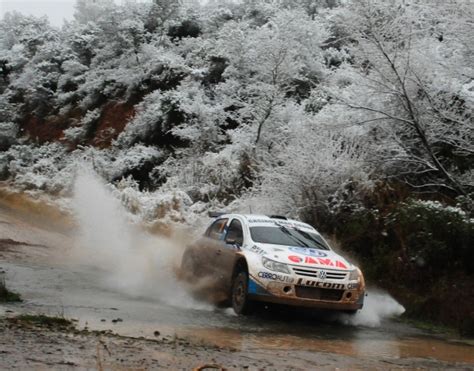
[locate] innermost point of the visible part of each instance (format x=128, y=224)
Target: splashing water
x=131, y=260
x=377, y=307
x=139, y=264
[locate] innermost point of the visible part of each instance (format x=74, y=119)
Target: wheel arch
x=244, y=306
x=240, y=265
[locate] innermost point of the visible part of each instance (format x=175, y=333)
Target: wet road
x=75, y=293
x=143, y=297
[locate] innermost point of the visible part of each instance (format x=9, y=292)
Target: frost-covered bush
x=45, y=168
x=73, y=75
x=84, y=128
x=212, y=176
x=156, y=115
x=146, y=121
x=51, y=168
x=74, y=134
x=314, y=172
x=113, y=164
x=149, y=207
x=127, y=160
x=205, y=123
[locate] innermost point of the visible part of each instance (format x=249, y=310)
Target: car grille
x=331, y=275
x=318, y=293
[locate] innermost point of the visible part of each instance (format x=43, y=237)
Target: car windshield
x=280, y=235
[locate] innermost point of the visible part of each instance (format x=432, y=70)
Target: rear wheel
x=240, y=300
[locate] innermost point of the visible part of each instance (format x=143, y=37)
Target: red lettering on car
x=310, y=260
x=340, y=264
x=295, y=259
x=325, y=262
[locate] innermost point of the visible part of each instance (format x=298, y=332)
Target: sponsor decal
x=321, y=261
x=293, y=224
x=295, y=259
x=323, y=285
x=261, y=221
x=275, y=277
x=255, y=288
x=258, y=250
x=307, y=251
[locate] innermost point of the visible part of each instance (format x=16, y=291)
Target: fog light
x=349, y=295
x=286, y=289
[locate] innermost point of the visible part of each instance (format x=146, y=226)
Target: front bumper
x=306, y=296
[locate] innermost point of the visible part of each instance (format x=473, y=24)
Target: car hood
x=302, y=256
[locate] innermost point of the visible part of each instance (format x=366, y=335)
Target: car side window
x=217, y=229
x=235, y=234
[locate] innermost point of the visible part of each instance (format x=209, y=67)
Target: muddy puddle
x=75, y=294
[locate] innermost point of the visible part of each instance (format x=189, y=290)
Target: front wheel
x=240, y=300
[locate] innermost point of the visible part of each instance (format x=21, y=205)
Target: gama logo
x=321, y=261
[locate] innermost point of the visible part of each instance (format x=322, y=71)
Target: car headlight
x=275, y=266
x=354, y=275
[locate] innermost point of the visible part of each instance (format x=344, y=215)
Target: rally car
x=249, y=258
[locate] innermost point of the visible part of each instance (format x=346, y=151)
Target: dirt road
x=119, y=327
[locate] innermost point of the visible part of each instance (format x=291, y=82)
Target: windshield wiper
x=308, y=236
x=286, y=231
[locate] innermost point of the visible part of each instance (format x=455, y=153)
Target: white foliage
x=313, y=169
x=40, y=168
x=168, y=207
x=270, y=90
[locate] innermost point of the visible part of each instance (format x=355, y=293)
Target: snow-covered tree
x=403, y=88
x=267, y=63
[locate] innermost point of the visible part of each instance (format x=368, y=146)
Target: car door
x=206, y=249
x=227, y=253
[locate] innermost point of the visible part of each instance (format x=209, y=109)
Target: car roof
x=249, y=218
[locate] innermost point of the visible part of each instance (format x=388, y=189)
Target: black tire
x=239, y=297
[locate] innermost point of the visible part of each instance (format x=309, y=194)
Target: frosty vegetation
x=333, y=111
x=301, y=103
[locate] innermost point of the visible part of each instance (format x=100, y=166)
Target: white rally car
x=247, y=258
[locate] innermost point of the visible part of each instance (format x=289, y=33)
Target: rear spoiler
x=215, y=214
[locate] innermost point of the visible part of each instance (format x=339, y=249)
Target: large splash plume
x=130, y=259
